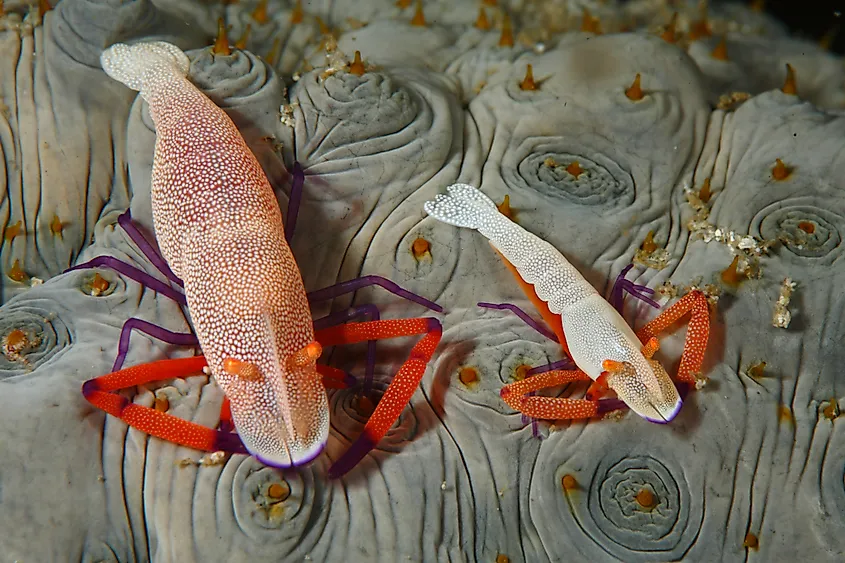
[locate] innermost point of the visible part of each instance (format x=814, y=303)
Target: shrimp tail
x=464, y=206
x=137, y=65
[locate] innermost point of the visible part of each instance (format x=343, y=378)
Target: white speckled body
x=220, y=229
x=594, y=330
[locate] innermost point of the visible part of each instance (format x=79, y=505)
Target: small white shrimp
x=595, y=335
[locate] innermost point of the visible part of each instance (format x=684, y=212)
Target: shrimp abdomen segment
x=539, y=263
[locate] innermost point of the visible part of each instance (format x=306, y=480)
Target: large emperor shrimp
x=591, y=331
x=220, y=231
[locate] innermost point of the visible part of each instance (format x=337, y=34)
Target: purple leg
x=369, y=312
x=641, y=292
x=147, y=249
x=522, y=315
x=170, y=337
x=366, y=281
x=134, y=273
x=296, y=185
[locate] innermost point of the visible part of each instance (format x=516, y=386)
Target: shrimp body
x=596, y=334
x=220, y=229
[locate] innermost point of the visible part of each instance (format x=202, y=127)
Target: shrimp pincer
x=220, y=230
x=592, y=332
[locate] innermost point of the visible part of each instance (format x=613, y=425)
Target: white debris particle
x=781, y=316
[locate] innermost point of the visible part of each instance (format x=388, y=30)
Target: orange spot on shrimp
x=43, y=7
x=506, y=38
x=356, y=67
x=807, y=227
x=612, y=366
x=243, y=370
x=420, y=247
x=259, y=14
x=221, y=44
x=634, y=92
x=240, y=44
x=575, y=169
x=481, y=22
x=502, y=558
x=785, y=414
x=648, y=244
x=751, y=541
x=419, y=18
x=279, y=491
x=306, y=356
x=781, y=171
x=505, y=207
x=720, y=51
x=790, y=86
x=297, y=14
x=568, y=482
x=590, y=24
x=704, y=193
x=15, y=272
x=56, y=226
x=528, y=82
x=645, y=498
x=468, y=375
x=669, y=34
x=13, y=230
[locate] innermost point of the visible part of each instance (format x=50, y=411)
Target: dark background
x=812, y=19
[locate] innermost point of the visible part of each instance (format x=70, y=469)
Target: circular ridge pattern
x=575, y=178
x=348, y=418
x=806, y=231
x=238, y=75
x=623, y=519
x=363, y=107
x=48, y=333
x=271, y=519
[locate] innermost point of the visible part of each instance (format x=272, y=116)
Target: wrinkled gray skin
x=459, y=477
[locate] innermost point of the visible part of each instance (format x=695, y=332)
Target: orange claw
x=100, y=392
x=698, y=332
x=404, y=383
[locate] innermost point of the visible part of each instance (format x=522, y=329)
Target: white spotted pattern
x=594, y=330
x=220, y=229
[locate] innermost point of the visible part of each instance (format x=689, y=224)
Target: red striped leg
x=549, y=408
x=101, y=392
x=401, y=388
x=698, y=332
